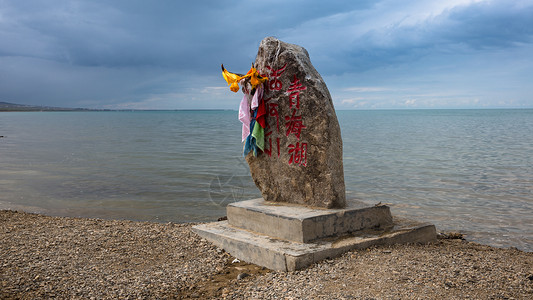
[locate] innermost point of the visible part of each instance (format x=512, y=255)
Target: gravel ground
x=72, y=258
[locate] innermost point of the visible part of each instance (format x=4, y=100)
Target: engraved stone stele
x=302, y=161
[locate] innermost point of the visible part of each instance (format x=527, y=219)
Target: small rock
x=449, y=284
x=236, y=261
x=242, y=276
x=450, y=236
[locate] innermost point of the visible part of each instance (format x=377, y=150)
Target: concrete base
x=285, y=252
x=303, y=224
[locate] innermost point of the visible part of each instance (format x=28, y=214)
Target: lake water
x=463, y=170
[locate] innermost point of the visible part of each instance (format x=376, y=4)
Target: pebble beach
x=44, y=257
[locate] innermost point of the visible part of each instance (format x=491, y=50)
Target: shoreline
x=4, y=205
x=78, y=258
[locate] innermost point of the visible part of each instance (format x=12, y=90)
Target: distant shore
x=76, y=258
x=8, y=107
x=12, y=107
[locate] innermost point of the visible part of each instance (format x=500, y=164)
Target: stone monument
x=293, y=146
x=302, y=162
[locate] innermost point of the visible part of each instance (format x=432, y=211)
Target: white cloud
x=214, y=89
x=410, y=102
x=352, y=100
x=365, y=89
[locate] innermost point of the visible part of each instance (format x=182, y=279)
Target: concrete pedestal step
x=284, y=255
x=304, y=224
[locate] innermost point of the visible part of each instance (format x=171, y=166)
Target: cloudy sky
x=373, y=54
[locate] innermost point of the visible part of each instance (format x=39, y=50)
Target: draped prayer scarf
x=253, y=127
x=258, y=95
x=244, y=117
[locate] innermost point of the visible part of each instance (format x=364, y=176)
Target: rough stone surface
x=302, y=162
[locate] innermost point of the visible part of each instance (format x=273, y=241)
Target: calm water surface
x=463, y=170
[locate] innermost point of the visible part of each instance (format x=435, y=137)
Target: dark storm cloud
x=491, y=25
x=179, y=34
x=494, y=25
x=149, y=54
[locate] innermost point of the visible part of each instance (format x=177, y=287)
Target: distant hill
x=5, y=106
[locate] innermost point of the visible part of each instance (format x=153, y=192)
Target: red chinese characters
x=274, y=83
x=298, y=153
x=294, y=93
x=272, y=111
x=294, y=123
x=268, y=150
